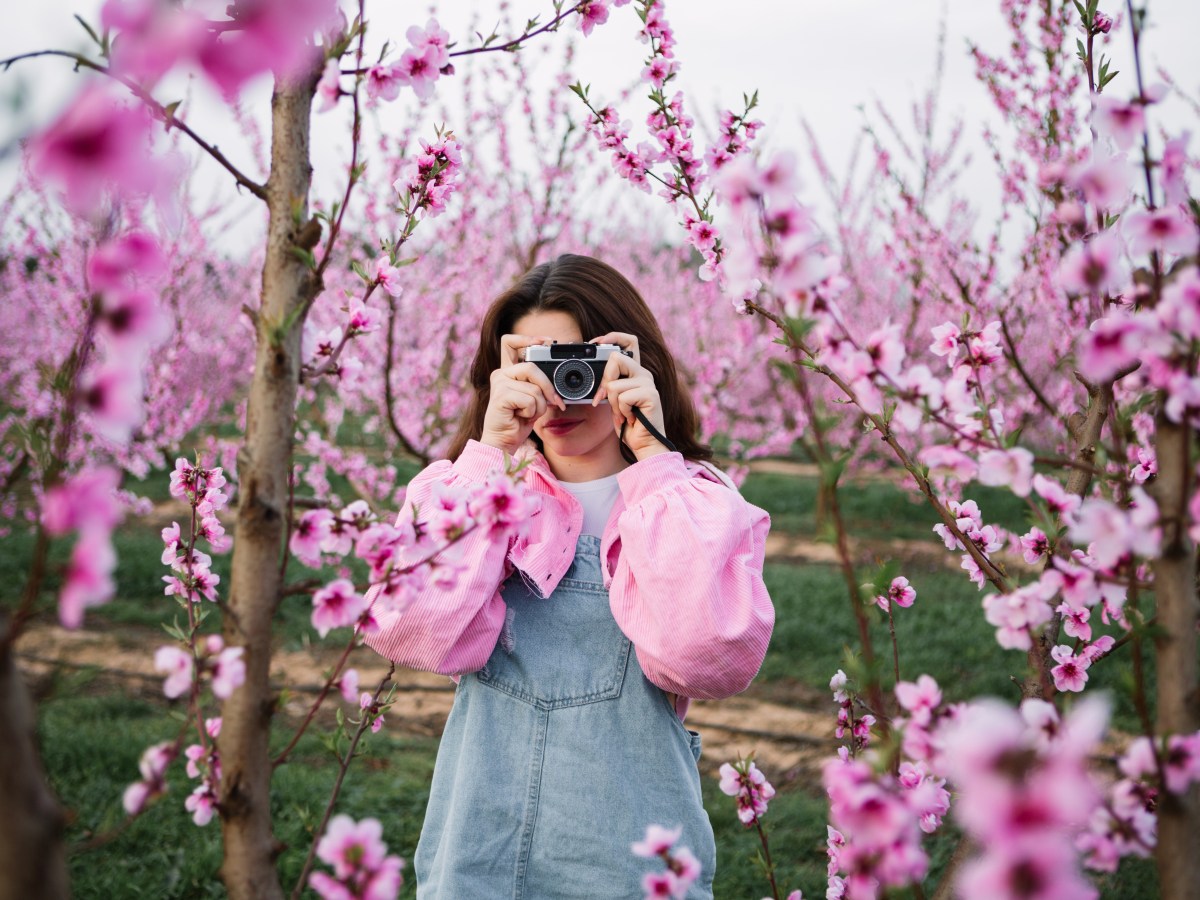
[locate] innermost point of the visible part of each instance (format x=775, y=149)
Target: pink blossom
x=362, y=870
x=202, y=804
x=388, y=276
x=749, y=786
x=946, y=341
x=112, y=394
x=1104, y=181
x=116, y=261
x=1173, y=170
x=98, y=144
x=274, y=35
x=308, y=535
x=500, y=504
x=1044, y=870
x=133, y=321
x=899, y=592
x=1017, y=613
x=1011, y=468
x=432, y=38
x=1121, y=120
x=1071, y=672
x=1181, y=762
x=418, y=68
x=1035, y=545
x=1060, y=502
x=658, y=840
x=153, y=767
x=1102, y=23
x=348, y=845
x=946, y=460
x=1095, y=266
x=1113, y=534
x=329, y=87
x=336, y=605
x=348, y=685
x=153, y=36
x=229, y=672
x=1168, y=230
x=660, y=884
x=384, y=82
x=591, y=14
x=178, y=664
x=88, y=578
x=83, y=501
x=919, y=698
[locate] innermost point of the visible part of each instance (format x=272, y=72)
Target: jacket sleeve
x=687, y=587
x=449, y=631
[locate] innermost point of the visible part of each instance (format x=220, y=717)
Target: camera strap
x=658, y=435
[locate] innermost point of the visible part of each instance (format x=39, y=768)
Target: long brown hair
x=600, y=299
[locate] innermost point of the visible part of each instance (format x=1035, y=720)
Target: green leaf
x=786, y=369
x=88, y=28
x=305, y=256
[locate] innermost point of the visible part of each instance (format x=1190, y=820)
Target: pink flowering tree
x=1055, y=359
x=107, y=389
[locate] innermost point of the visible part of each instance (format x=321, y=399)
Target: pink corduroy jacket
x=682, y=558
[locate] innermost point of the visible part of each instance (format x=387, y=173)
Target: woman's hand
x=625, y=384
x=520, y=394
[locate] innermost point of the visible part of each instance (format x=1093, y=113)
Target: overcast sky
x=816, y=60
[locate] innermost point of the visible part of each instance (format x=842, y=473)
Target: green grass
x=944, y=634
x=871, y=509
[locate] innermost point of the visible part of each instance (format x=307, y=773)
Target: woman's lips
x=562, y=426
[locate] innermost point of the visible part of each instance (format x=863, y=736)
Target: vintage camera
x=574, y=369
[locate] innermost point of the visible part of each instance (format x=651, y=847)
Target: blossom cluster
x=430, y=178
x=1024, y=791
x=1125, y=823
x=400, y=554
x=744, y=782
x=183, y=666
x=362, y=868
x=874, y=834
x=426, y=58
x=900, y=593
x=192, y=577
x=672, y=142
x=123, y=326
x=682, y=867
x=204, y=762
x=858, y=726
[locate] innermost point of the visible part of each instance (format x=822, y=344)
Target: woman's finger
x=530, y=373
x=627, y=342
x=511, y=346
x=618, y=366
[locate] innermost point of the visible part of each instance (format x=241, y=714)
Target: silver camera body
x=575, y=370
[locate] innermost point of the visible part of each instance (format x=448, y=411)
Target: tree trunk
x=1178, y=611
x=264, y=463
x=33, y=861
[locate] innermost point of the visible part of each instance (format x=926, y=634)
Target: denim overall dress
x=556, y=756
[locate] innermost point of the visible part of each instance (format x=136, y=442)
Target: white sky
x=807, y=58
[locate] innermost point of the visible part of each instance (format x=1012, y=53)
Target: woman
x=636, y=586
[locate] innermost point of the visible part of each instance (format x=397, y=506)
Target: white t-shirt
x=597, y=499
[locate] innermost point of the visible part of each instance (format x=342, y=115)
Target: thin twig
x=169, y=117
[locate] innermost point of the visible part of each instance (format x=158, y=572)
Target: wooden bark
x=1178, y=611
x=33, y=862
x=250, y=847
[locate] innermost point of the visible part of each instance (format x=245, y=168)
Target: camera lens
x=574, y=380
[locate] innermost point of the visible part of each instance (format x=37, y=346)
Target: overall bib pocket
x=564, y=650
